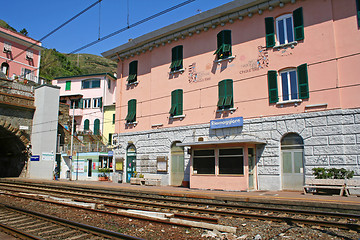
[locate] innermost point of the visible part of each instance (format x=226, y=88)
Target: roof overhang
x=222, y=142
x=226, y=13
x=21, y=41
x=72, y=95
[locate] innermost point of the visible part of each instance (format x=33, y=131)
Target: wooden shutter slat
x=272, y=85
x=298, y=24
x=303, y=81
x=270, y=32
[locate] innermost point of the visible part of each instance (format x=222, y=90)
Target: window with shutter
x=176, y=103
x=113, y=120
x=293, y=84
x=289, y=28
x=223, y=44
x=86, y=124
x=133, y=68
x=225, y=100
x=68, y=86
x=176, y=58
x=131, y=116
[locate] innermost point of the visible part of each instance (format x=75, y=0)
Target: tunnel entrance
x=12, y=154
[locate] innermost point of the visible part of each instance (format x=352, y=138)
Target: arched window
x=97, y=127
x=86, y=124
x=5, y=68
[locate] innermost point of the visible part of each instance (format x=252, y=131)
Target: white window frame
x=87, y=103
x=7, y=47
x=29, y=54
x=280, y=81
x=96, y=102
x=91, y=81
x=27, y=73
x=286, y=35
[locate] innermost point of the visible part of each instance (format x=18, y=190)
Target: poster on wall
x=47, y=157
x=79, y=166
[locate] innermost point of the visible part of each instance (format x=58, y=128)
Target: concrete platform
x=275, y=197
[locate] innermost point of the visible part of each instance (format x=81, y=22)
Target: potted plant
x=103, y=176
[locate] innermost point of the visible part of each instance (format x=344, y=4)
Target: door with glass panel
x=292, y=162
x=251, y=160
x=177, y=165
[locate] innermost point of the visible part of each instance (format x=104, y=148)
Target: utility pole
x=72, y=139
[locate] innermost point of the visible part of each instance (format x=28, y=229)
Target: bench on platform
x=325, y=184
x=352, y=184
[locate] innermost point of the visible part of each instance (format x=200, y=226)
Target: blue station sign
x=226, y=123
x=35, y=158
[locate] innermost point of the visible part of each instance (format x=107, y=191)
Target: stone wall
x=331, y=139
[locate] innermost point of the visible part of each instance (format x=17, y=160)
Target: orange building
x=251, y=95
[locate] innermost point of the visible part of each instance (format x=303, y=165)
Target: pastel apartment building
x=251, y=95
x=19, y=56
x=87, y=96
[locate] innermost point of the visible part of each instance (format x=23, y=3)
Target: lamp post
x=72, y=139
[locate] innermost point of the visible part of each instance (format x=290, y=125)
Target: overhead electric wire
x=133, y=25
x=58, y=28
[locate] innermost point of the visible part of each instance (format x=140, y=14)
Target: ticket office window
x=229, y=161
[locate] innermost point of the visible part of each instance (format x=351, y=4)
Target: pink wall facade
x=19, y=57
x=326, y=51
x=329, y=49
x=76, y=91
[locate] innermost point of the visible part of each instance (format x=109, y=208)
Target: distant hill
x=55, y=64
x=6, y=25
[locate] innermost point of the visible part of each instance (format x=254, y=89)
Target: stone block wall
x=331, y=139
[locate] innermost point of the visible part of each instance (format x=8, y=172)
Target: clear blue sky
x=40, y=17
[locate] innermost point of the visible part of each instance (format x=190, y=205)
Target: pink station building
x=19, y=56
x=251, y=95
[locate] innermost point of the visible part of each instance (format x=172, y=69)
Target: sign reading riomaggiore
x=226, y=123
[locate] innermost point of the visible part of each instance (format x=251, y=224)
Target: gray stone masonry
x=331, y=139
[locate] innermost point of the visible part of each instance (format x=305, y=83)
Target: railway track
x=186, y=209
x=32, y=225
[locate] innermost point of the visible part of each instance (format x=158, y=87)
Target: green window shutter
x=176, y=58
x=272, y=85
x=97, y=127
x=131, y=116
x=81, y=103
x=86, y=124
x=222, y=95
x=173, y=103
x=228, y=103
x=133, y=69
x=358, y=12
x=303, y=81
x=100, y=102
x=270, y=32
x=179, y=99
x=223, y=44
x=110, y=139
x=68, y=86
x=113, y=121
x=298, y=24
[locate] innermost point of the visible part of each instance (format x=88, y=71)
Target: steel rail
x=18, y=233
x=258, y=208
x=87, y=228
x=290, y=220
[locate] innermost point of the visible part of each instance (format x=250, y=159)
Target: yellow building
x=109, y=123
